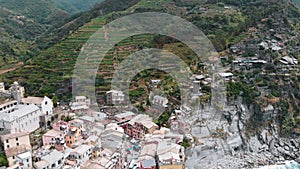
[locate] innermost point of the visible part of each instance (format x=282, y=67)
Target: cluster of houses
x=19, y=117
x=88, y=140
x=23, y=114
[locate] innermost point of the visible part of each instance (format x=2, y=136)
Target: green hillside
x=75, y=6
x=227, y=23
x=23, y=21
x=52, y=69
x=40, y=11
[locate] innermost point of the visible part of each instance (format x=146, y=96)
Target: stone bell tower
x=17, y=91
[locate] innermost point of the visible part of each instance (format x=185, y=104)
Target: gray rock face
x=225, y=143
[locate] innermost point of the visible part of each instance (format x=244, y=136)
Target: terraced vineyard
x=51, y=71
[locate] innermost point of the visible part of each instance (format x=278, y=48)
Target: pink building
x=54, y=138
x=139, y=126
x=61, y=126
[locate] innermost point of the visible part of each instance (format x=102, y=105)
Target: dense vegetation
x=75, y=6
x=23, y=21
x=3, y=160
x=49, y=62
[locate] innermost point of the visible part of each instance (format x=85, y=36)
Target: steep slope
x=23, y=21
x=54, y=66
x=39, y=11
x=75, y=6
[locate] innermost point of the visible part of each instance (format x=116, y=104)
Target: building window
x=6, y=141
x=17, y=139
x=27, y=160
x=7, y=146
x=13, y=157
x=17, y=144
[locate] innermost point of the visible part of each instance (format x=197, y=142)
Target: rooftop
x=9, y=103
x=143, y=119
x=125, y=114
x=32, y=100
x=13, y=135
x=171, y=167
x=25, y=155
x=41, y=164
x=53, y=157
x=79, y=97
x=82, y=149
x=115, y=91
x=19, y=111
x=53, y=133
x=149, y=149
x=225, y=74
x=148, y=163
x=17, y=150
x=87, y=118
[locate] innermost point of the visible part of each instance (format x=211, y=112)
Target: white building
x=160, y=101
x=81, y=154
x=80, y=103
x=115, y=97
x=44, y=103
x=99, y=116
x=24, y=160
x=18, y=117
x=53, y=160
x=169, y=153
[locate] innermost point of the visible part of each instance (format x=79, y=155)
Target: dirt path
x=11, y=69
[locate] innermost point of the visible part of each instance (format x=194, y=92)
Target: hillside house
x=160, y=101
x=80, y=103
x=115, y=97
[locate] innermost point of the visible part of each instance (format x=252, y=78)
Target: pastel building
x=17, y=149
x=139, y=126
x=61, y=126
x=75, y=133
x=19, y=157
x=13, y=140
x=54, y=138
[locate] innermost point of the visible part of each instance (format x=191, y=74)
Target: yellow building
x=96, y=153
x=14, y=140
x=171, y=167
